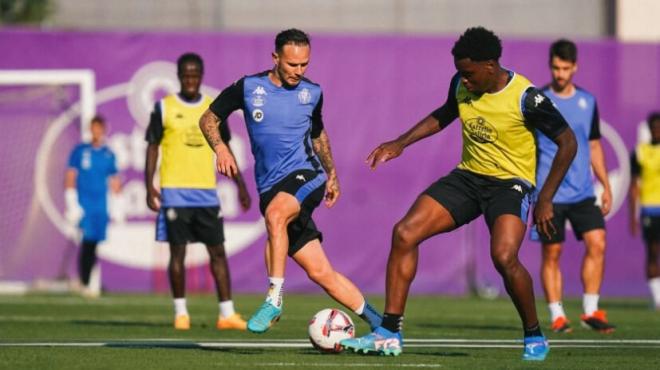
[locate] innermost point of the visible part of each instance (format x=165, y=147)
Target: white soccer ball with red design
x=328, y=327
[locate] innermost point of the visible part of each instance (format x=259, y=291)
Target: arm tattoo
x=209, y=124
x=322, y=148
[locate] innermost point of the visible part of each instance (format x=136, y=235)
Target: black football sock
x=87, y=260
x=392, y=322
x=534, y=331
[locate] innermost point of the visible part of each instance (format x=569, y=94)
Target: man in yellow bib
x=645, y=198
x=187, y=204
x=499, y=111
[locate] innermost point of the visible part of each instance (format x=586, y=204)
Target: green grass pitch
x=135, y=332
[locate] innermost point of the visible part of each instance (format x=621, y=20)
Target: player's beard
x=562, y=85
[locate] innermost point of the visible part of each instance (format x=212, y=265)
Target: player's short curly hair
x=652, y=118
x=291, y=36
x=477, y=44
x=189, y=58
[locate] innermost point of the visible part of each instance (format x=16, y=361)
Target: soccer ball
x=328, y=327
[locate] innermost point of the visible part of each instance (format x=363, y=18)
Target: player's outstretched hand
x=331, y=191
x=384, y=152
x=543, y=215
x=225, y=162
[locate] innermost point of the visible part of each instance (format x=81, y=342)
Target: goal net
x=43, y=114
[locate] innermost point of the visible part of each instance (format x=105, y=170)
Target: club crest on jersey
x=304, y=96
x=258, y=115
x=480, y=130
x=259, y=96
x=582, y=103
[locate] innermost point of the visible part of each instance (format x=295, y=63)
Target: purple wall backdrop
x=375, y=88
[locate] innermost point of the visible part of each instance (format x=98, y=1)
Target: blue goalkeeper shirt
x=94, y=166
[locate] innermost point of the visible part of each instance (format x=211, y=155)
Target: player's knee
x=216, y=252
x=321, y=275
x=551, y=259
x=275, y=219
x=177, y=255
x=597, y=249
x=176, y=264
x=504, y=260
x=653, y=255
x=403, y=235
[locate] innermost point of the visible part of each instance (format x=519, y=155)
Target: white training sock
x=654, y=285
x=358, y=311
x=556, y=310
x=275, y=291
x=590, y=303
x=226, y=308
x=180, y=307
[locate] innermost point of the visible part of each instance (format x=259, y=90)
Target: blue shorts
x=94, y=225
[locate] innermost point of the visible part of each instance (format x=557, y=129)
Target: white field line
x=409, y=341
x=300, y=343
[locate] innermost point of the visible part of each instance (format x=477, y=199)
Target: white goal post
x=84, y=78
x=85, y=81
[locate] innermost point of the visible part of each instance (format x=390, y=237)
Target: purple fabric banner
x=375, y=88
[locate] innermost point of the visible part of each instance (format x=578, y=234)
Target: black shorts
x=651, y=228
x=193, y=224
x=467, y=195
x=308, y=187
x=584, y=216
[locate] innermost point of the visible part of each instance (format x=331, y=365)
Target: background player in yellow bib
x=645, y=198
x=187, y=204
x=499, y=111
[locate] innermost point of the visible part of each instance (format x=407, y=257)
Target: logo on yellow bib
x=480, y=130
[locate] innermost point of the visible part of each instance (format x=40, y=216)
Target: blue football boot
x=381, y=341
x=536, y=348
x=264, y=318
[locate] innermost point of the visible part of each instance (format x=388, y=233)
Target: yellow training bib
x=496, y=140
x=187, y=161
x=648, y=157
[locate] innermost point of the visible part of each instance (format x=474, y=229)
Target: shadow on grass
x=465, y=327
x=182, y=345
x=315, y=353
x=121, y=323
